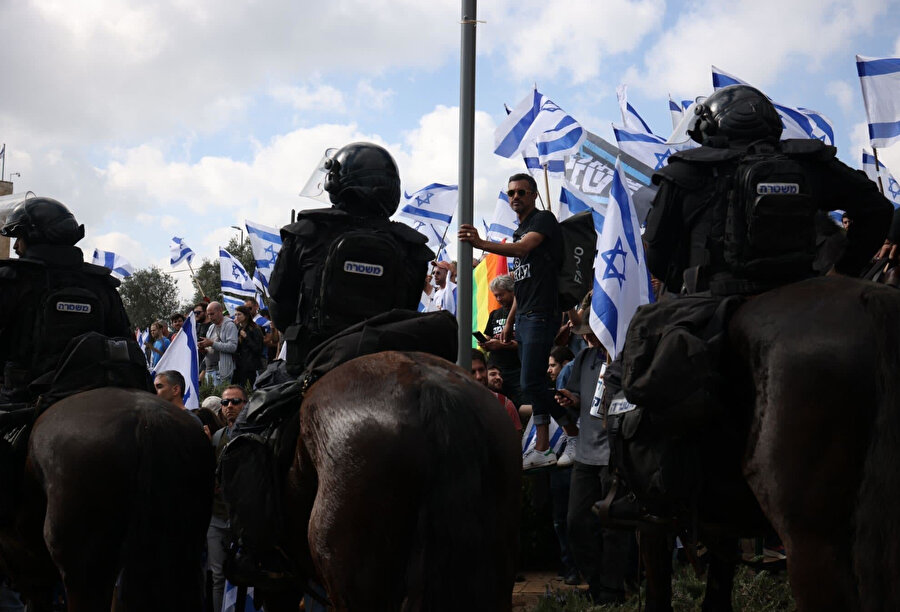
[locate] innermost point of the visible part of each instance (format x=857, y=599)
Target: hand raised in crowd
x=469, y=233
x=889, y=250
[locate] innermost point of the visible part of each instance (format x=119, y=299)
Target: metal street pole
x=465, y=213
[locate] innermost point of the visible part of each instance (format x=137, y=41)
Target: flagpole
x=466, y=179
x=194, y=276
x=3, y=171
x=547, y=188
x=878, y=170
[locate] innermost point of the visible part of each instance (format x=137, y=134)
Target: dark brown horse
x=404, y=491
x=117, y=487
x=822, y=361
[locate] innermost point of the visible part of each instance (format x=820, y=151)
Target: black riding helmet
x=43, y=221
x=737, y=114
x=363, y=179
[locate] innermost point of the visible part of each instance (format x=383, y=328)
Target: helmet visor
x=315, y=186
x=689, y=121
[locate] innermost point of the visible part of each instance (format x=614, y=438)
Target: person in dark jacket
x=250, y=342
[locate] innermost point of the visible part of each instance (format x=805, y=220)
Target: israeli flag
x=265, y=242
x=179, y=251
x=539, y=120
x=558, y=437
x=880, y=81
x=505, y=221
x=434, y=204
x=231, y=303
x=142, y=338
x=117, y=264
x=183, y=357
x=891, y=187
x=229, y=599
x=621, y=279
x=677, y=110
x=797, y=122
x=572, y=201
x=263, y=323
x=555, y=168
x=234, y=277
x=635, y=138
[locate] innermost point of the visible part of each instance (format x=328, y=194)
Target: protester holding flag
x=537, y=249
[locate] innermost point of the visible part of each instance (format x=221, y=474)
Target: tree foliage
x=208, y=273
x=149, y=294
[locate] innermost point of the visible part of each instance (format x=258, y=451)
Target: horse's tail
x=876, y=542
x=162, y=568
x=469, y=486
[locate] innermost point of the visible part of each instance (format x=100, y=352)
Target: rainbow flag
x=483, y=301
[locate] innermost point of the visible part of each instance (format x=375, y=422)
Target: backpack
x=770, y=219
x=364, y=274
x=65, y=311
x=576, y=274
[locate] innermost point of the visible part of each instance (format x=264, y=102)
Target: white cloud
x=844, y=94
x=369, y=96
x=323, y=97
x=540, y=40
x=744, y=39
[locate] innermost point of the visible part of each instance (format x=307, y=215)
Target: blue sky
x=156, y=119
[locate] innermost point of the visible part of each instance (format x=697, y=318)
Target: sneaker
x=537, y=459
x=568, y=456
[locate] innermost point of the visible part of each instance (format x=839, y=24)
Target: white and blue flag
x=572, y=201
x=538, y=120
x=229, y=599
x=142, y=338
x=797, y=122
x=677, y=110
x=434, y=204
x=879, y=78
x=635, y=138
x=621, y=279
x=182, y=356
x=231, y=303
x=117, y=264
x=179, y=251
x=265, y=242
x=234, y=277
x=555, y=167
x=891, y=187
x=504, y=223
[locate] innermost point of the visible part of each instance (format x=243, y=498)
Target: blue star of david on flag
x=265, y=242
x=610, y=258
x=273, y=254
x=424, y=200
x=233, y=276
x=661, y=158
x=893, y=188
x=434, y=204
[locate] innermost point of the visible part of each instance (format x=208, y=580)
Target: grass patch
x=753, y=592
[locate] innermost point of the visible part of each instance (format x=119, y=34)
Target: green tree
x=208, y=274
x=149, y=294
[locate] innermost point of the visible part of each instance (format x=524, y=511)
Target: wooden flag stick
x=878, y=170
x=547, y=188
x=194, y=276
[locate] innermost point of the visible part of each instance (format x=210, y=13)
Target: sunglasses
x=198, y=312
x=518, y=192
x=234, y=402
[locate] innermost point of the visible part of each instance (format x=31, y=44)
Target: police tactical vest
x=770, y=228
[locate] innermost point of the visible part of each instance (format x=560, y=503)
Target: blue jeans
x=535, y=332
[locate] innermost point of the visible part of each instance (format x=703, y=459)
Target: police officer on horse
x=337, y=267
x=48, y=296
x=733, y=218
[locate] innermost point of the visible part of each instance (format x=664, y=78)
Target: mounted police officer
x=337, y=267
x=341, y=265
x=732, y=218
x=718, y=226
x=48, y=296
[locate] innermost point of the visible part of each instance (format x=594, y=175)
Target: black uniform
x=47, y=298
x=296, y=281
x=686, y=228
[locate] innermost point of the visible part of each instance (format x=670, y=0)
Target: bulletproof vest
x=756, y=217
x=358, y=268
x=56, y=304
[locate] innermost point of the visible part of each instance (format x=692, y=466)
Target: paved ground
x=527, y=593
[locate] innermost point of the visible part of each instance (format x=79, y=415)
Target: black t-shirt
x=506, y=359
x=537, y=274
